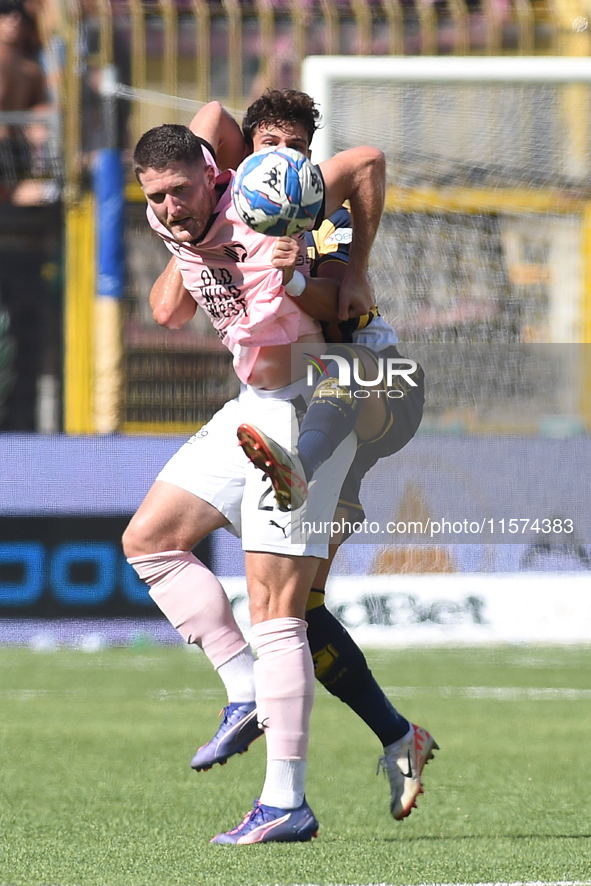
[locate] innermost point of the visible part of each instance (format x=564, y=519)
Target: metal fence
x=168, y=56
x=231, y=49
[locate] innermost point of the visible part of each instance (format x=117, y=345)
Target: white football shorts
x=212, y=466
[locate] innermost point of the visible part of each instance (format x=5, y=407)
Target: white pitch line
x=83, y=694
x=24, y=694
x=498, y=883
x=497, y=693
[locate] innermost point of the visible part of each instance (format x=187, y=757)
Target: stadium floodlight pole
x=320, y=72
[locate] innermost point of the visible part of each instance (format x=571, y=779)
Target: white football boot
x=403, y=762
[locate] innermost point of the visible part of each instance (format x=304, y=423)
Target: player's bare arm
x=358, y=175
x=214, y=124
x=172, y=305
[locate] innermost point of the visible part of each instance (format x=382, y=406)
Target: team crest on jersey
x=236, y=251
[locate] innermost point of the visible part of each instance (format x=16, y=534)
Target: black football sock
x=330, y=418
x=341, y=667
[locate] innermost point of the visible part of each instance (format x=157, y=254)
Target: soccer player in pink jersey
x=208, y=483
x=289, y=118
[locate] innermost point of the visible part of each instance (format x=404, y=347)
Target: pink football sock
x=194, y=602
x=284, y=680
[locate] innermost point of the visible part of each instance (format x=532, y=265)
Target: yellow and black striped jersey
x=331, y=242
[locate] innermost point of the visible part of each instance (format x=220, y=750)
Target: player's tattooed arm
x=357, y=175
x=320, y=296
x=172, y=305
x=213, y=123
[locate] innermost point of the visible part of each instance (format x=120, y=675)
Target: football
x=278, y=192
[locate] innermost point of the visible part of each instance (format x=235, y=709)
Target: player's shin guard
x=194, y=602
x=341, y=667
x=331, y=416
x=284, y=680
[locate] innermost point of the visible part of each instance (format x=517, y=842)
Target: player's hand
x=285, y=255
x=355, y=295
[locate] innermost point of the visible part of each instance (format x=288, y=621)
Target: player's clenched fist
x=285, y=255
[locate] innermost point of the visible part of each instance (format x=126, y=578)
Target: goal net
x=483, y=265
x=486, y=232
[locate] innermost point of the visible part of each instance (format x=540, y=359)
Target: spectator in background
x=32, y=41
x=28, y=254
x=45, y=44
x=22, y=88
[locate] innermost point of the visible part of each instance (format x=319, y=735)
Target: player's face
x=292, y=135
x=182, y=198
x=11, y=27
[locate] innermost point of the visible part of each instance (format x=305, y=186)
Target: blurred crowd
x=32, y=61
x=27, y=97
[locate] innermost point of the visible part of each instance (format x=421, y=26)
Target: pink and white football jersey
x=229, y=274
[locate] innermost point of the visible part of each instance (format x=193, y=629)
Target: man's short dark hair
x=166, y=144
x=8, y=6
x=281, y=107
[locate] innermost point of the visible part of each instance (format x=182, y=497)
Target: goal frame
x=320, y=72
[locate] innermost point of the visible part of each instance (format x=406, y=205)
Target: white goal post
x=320, y=73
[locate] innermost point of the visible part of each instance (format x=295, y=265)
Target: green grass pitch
x=96, y=788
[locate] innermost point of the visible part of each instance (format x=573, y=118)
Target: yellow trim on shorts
x=349, y=504
x=389, y=420
x=387, y=426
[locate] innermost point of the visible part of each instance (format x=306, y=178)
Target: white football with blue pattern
x=278, y=192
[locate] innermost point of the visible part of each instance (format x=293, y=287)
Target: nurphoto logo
x=390, y=370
